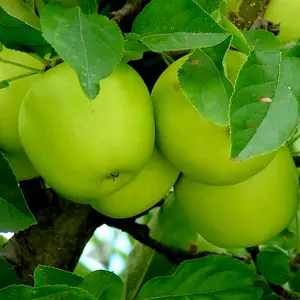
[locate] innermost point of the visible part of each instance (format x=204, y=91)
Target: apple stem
x=20, y=65
x=20, y=76
x=167, y=58
x=39, y=58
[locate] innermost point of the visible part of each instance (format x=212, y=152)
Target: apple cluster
x=231, y=204
x=123, y=151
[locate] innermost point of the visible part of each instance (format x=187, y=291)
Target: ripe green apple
x=85, y=149
x=148, y=188
x=233, y=5
x=232, y=64
x=245, y=214
x=11, y=99
x=197, y=147
x=171, y=227
x=285, y=13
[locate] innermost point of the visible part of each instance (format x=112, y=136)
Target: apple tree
x=173, y=121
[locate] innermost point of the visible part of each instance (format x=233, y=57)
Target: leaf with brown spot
x=195, y=62
x=267, y=94
x=265, y=99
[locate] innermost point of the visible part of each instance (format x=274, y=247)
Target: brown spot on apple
x=177, y=85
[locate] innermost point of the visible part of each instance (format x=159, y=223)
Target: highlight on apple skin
x=245, y=214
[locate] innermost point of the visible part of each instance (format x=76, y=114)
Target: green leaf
x=89, y=6
x=204, y=83
x=264, y=106
x=270, y=297
x=143, y=264
x=239, y=41
x=14, y=34
x=8, y=275
x=3, y=240
x=262, y=40
x=39, y=6
x=103, y=285
x=48, y=292
x=44, y=275
x=30, y=4
x=177, y=25
x=295, y=281
x=82, y=269
x=20, y=10
x=167, y=225
x=286, y=239
x=291, y=49
x=92, y=45
x=133, y=49
x=209, y=278
x=208, y=5
x=14, y=212
x=274, y=265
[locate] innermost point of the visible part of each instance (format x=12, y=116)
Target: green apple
x=285, y=13
x=197, y=147
x=171, y=227
x=85, y=149
x=233, y=5
x=148, y=188
x=232, y=64
x=245, y=214
x=11, y=99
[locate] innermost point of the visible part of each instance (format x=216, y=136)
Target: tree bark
x=57, y=240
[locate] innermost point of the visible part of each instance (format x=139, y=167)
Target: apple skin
x=85, y=149
x=233, y=5
x=245, y=214
x=171, y=227
x=11, y=99
x=285, y=13
x=197, y=147
x=232, y=64
x=149, y=187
